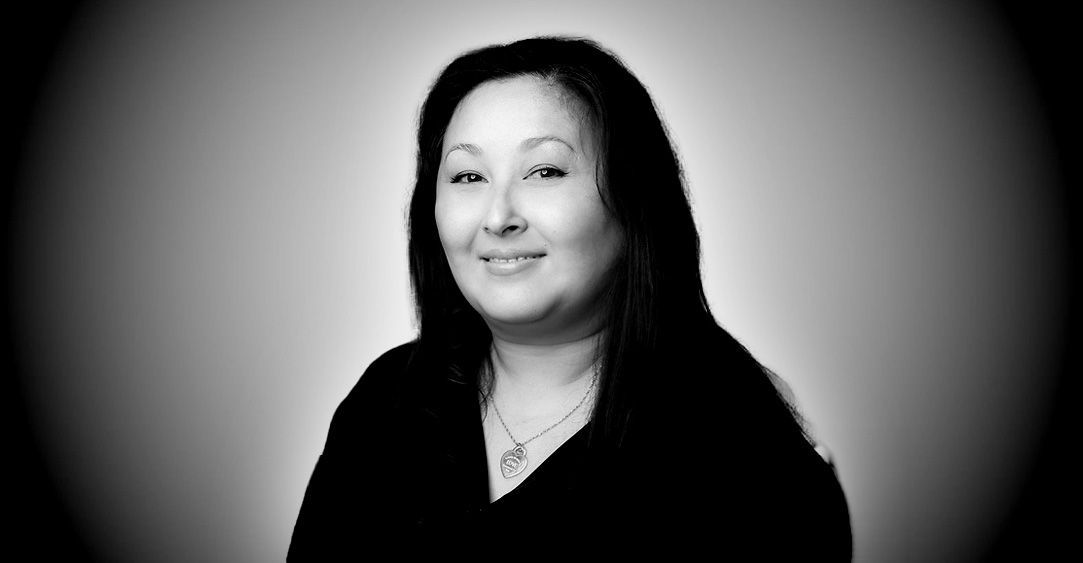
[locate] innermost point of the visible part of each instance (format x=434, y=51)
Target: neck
x=538, y=377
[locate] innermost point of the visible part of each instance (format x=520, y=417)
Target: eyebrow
x=535, y=141
x=527, y=144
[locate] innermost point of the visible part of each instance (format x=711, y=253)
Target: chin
x=511, y=312
x=512, y=318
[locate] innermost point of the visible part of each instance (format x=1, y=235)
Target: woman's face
x=519, y=214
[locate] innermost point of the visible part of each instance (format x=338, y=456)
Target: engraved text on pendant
x=513, y=462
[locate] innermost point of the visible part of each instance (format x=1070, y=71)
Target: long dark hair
x=655, y=302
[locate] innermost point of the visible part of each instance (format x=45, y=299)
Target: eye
x=547, y=172
x=466, y=178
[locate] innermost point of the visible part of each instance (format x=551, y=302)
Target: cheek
x=589, y=230
x=452, y=225
x=603, y=248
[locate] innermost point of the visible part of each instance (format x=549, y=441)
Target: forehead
x=512, y=109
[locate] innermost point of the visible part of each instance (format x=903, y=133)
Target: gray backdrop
x=213, y=244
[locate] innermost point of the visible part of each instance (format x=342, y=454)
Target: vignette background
x=207, y=245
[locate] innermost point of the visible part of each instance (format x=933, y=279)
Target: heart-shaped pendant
x=513, y=462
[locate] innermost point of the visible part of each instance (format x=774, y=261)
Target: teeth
x=510, y=260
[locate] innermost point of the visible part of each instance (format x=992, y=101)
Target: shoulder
x=385, y=373
x=727, y=408
x=380, y=390
x=345, y=477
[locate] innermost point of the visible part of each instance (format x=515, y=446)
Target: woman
x=569, y=388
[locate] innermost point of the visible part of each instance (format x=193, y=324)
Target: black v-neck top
x=404, y=472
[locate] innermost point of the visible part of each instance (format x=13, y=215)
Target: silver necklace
x=514, y=461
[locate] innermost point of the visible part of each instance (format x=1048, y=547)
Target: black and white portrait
x=335, y=279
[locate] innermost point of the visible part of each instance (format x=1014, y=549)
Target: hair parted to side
x=655, y=299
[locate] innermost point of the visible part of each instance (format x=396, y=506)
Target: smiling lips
x=510, y=256
x=507, y=262
x=511, y=260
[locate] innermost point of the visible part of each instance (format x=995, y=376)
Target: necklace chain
x=593, y=381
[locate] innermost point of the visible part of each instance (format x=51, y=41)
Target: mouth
x=510, y=256
x=512, y=260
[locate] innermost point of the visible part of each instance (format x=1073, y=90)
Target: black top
x=404, y=471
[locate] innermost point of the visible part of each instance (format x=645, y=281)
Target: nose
x=502, y=218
